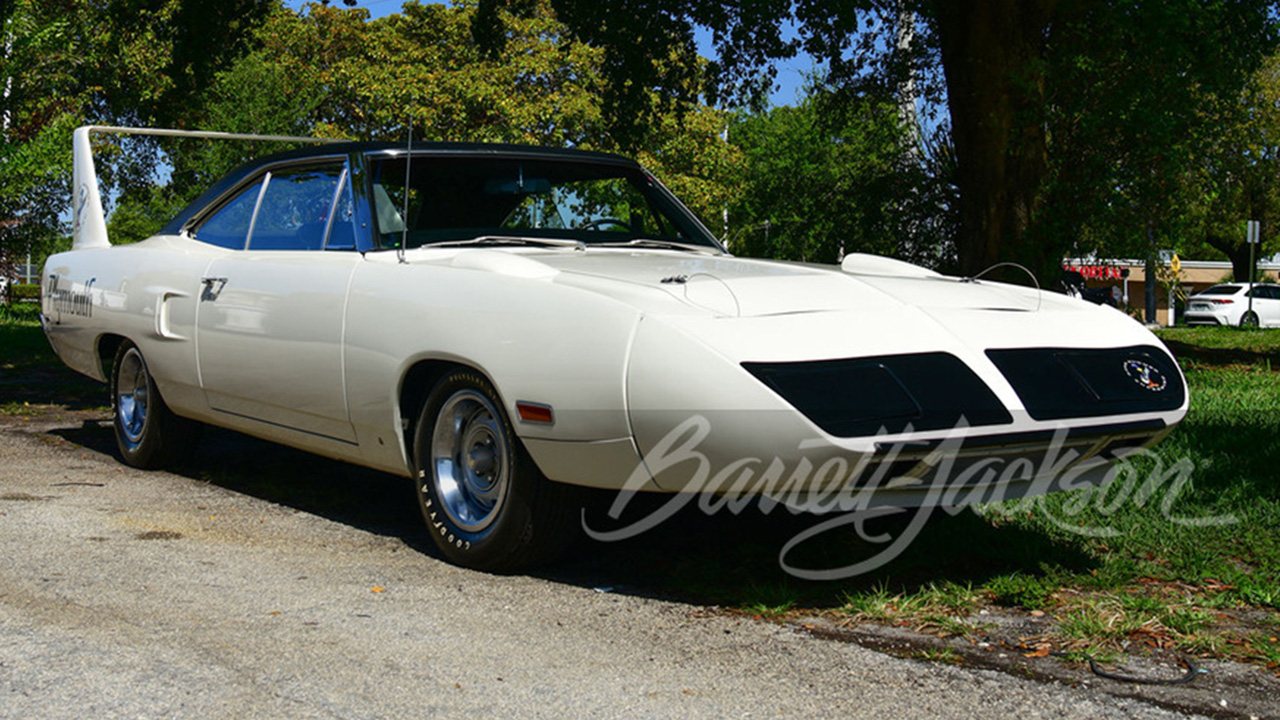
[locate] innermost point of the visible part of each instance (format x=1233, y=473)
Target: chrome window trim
x=257, y=205
x=333, y=205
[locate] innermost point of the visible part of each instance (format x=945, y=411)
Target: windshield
x=457, y=198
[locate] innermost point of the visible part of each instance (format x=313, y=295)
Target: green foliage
x=686, y=151
x=258, y=94
x=324, y=71
x=72, y=62
x=770, y=601
x=1158, y=121
x=141, y=214
x=367, y=79
x=22, y=342
x=1251, y=345
x=34, y=188
x=939, y=655
x=1085, y=124
x=1118, y=117
x=333, y=72
x=1020, y=590
x=819, y=184
x=1242, y=181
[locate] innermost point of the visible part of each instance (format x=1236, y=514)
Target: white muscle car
x=502, y=323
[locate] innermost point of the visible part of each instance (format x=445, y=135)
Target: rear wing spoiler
x=90, y=223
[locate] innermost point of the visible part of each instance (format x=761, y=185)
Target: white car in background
x=502, y=323
x=1228, y=304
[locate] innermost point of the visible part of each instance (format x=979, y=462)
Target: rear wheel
x=1249, y=319
x=148, y=434
x=485, y=503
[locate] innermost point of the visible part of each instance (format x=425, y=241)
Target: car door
x=1266, y=299
x=270, y=317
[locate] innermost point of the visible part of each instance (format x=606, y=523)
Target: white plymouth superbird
x=502, y=323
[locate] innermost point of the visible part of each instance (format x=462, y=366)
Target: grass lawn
x=21, y=341
x=1175, y=560
x=30, y=372
x=1262, y=342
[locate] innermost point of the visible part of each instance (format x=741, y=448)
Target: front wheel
x=148, y=434
x=1249, y=319
x=485, y=503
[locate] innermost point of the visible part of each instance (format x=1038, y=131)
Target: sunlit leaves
x=70, y=62
x=375, y=77
x=822, y=183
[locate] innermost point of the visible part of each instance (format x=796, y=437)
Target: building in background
x=1127, y=279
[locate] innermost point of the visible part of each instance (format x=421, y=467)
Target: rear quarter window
x=229, y=227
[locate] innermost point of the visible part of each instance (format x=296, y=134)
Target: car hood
x=722, y=285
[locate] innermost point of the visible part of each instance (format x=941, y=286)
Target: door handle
x=211, y=280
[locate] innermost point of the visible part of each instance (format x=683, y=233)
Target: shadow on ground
x=1222, y=356
x=722, y=559
x=50, y=385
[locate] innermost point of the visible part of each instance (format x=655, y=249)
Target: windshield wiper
x=509, y=240
x=654, y=243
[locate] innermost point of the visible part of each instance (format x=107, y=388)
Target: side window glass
x=229, y=227
x=294, y=212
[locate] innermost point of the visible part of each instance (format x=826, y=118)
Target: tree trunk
x=992, y=52
x=1240, y=268
x=1236, y=251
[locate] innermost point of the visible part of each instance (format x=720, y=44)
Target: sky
x=790, y=77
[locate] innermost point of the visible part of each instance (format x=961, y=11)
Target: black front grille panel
x=1058, y=383
x=861, y=397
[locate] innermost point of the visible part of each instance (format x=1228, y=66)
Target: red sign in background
x=1097, y=272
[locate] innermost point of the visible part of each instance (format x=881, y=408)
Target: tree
x=692, y=159
x=992, y=53
x=816, y=186
x=985, y=50
x=71, y=62
x=994, y=56
x=1240, y=179
x=370, y=78
x=1149, y=117
x=332, y=72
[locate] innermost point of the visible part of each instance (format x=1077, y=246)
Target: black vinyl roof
x=478, y=150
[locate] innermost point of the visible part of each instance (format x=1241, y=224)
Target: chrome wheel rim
x=132, y=398
x=1250, y=319
x=471, y=458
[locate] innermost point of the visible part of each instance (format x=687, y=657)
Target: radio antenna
x=404, y=213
